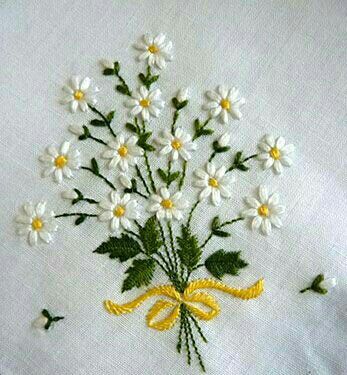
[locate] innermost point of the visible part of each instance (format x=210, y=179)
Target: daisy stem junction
x=109, y=183
x=104, y=118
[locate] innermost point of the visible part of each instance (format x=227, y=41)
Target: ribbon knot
x=191, y=298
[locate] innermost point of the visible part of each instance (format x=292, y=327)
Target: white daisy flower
x=60, y=163
x=275, y=153
x=122, y=153
x=36, y=223
x=176, y=145
x=213, y=182
x=155, y=49
x=182, y=95
x=119, y=211
x=166, y=206
x=79, y=93
x=145, y=103
x=265, y=212
x=225, y=102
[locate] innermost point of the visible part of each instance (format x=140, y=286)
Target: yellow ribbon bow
x=188, y=297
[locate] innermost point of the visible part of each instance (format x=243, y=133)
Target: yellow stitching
x=187, y=298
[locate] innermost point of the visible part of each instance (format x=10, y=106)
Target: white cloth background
x=289, y=60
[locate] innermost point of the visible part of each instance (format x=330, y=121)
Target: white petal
x=266, y=227
x=145, y=114
x=83, y=105
x=32, y=238
x=115, y=197
x=213, y=96
x=40, y=208
x=211, y=105
x=268, y=163
x=136, y=110
x=45, y=236
x=154, y=95
x=125, y=181
x=288, y=149
x=114, y=224
x=215, y=111
x=106, y=205
x=216, y=199
x=211, y=169
x=274, y=199
x=328, y=283
x=69, y=194
x=58, y=175
x=85, y=84
x=76, y=129
x=256, y=222
x=205, y=193
x=144, y=55
x=67, y=172
x=251, y=212
x=154, y=207
x=263, y=156
x=276, y=221
x=278, y=210
x=226, y=193
x=252, y=202
x=177, y=214
x=220, y=172
x=224, y=116
x=278, y=167
x=200, y=173
x=28, y=209
x=164, y=192
x=286, y=161
x=270, y=140
x=185, y=154
x=224, y=139
x=223, y=91
x=126, y=224
x=263, y=194
x=264, y=147
x=280, y=142
x=106, y=216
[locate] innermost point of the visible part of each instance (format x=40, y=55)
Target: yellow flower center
x=275, y=153
x=263, y=210
x=167, y=203
x=123, y=151
x=37, y=224
x=213, y=182
x=78, y=95
x=145, y=103
x=176, y=144
x=60, y=161
x=153, y=48
x=119, y=211
x=225, y=104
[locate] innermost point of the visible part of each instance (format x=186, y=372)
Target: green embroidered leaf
x=218, y=149
x=189, y=250
x=108, y=72
x=216, y=222
x=173, y=176
x=162, y=174
x=221, y=263
x=116, y=67
x=80, y=219
x=237, y=158
x=46, y=314
x=133, y=188
x=110, y=116
x=57, y=318
x=242, y=168
x=142, y=142
x=95, y=166
x=85, y=135
x=220, y=233
x=150, y=236
x=123, y=89
x=97, y=122
x=215, y=228
x=139, y=274
x=131, y=127
x=122, y=248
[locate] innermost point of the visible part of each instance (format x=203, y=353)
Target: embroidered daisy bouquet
x=160, y=238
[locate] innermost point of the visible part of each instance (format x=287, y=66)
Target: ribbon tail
x=166, y=323
x=253, y=291
x=114, y=308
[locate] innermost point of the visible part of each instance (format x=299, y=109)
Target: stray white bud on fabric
x=224, y=140
x=125, y=181
x=76, y=129
x=182, y=95
x=108, y=64
x=40, y=322
x=69, y=194
x=328, y=283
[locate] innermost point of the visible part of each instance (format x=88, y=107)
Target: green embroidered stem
x=148, y=79
x=169, y=164
x=214, y=153
x=197, y=326
x=97, y=140
x=201, y=130
x=173, y=246
x=81, y=198
x=186, y=333
x=123, y=88
x=169, y=259
x=315, y=285
x=109, y=183
x=180, y=332
x=190, y=216
x=183, y=176
x=107, y=122
x=195, y=347
x=87, y=135
x=216, y=229
x=149, y=171
x=142, y=179
x=75, y=214
x=239, y=163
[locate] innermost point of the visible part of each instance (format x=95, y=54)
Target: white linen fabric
x=288, y=59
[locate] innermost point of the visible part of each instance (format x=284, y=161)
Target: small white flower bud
x=76, y=129
x=125, y=181
x=328, y=283
x=69, y=194
x=182, y=95
x=108, y=64
x=40, y=322
x=224, y=140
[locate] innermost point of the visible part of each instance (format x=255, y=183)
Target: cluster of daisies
x=122, y=153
